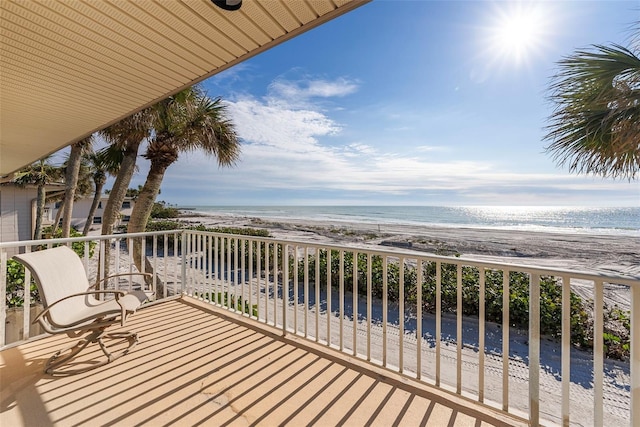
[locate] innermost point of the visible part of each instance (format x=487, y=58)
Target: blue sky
x=407, y=103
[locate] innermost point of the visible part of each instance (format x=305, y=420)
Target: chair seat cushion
x=102, y=310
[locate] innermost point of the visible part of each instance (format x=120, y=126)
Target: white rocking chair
x=71, y=307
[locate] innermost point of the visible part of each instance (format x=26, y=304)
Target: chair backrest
x=58, y=273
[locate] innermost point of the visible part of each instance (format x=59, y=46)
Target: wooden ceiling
x=69, y=68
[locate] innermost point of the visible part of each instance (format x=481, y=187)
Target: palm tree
x=595, y=128
x=83, y=188
x=101, y=163
x=71, y=180
x=186, y=121
x=40, y=174
x=126, y=135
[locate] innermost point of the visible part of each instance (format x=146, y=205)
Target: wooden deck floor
x=196, y=365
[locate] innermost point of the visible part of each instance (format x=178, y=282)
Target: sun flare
x=517, y=32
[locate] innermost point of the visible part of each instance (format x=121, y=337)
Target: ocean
x=580, y=220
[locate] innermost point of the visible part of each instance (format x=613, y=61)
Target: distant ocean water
x=582, y=220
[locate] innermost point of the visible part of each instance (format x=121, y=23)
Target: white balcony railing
x=436, y=332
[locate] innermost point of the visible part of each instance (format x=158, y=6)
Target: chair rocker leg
x=62, y=357
x=132, y=337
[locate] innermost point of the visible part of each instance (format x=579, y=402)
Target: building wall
x=81, y=211
x=15, y=213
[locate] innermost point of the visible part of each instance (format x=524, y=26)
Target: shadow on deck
x=197, y=365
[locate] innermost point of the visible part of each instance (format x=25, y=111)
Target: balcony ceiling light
x=228, y=4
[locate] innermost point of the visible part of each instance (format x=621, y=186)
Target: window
x=126, y=205
x=97, y=220
x=58, y=204
x=100, y=204
x=126, y=218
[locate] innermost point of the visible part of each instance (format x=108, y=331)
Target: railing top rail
x=492, y=265
x=85, y=238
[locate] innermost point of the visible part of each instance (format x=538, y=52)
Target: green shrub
x=162, y=210
x=15, y=285
x=15, y=271
x=78, y=247
x=616, y=338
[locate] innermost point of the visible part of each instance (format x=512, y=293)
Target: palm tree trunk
x=71, y=183
x=56, y=222
x=42, y=195
x=140, y=215
x=116, y=197
x=94, y=206
x=119, y=190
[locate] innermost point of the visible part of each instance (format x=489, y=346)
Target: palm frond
x=595, y=128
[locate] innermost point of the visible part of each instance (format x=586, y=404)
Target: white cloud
x=296, y=146
x=300, y=93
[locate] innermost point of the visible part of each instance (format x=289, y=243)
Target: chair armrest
x=118, y=294
x=119, y=275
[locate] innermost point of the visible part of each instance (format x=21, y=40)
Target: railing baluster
x=155, y=266
x=183, y=260
x=438, y=318
x=329, y=313
x=26, y=305
x=505, y=339
x=258, y=273
x=341, y=303
x=236, y=278
x=317, y=289
x=369, y=292
x=228, y=281
x=176, y=261
x=267, y=245
x=285, y=286
x=401, y=318
x=275, y=284
x=534, y=350
x=243, y=271
x=306, y=293
x=201, y=270
x=598, y=353
x=419, y=321
x=213, y=268
x=634, y=321
x=458, y=329
x=354, y=294
x=101, y=266
x=385, y=297
x=481, y=334
x=3, y=296
x=165, y=256
x=566, y=348
x=296, y=248
x=251, y=243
